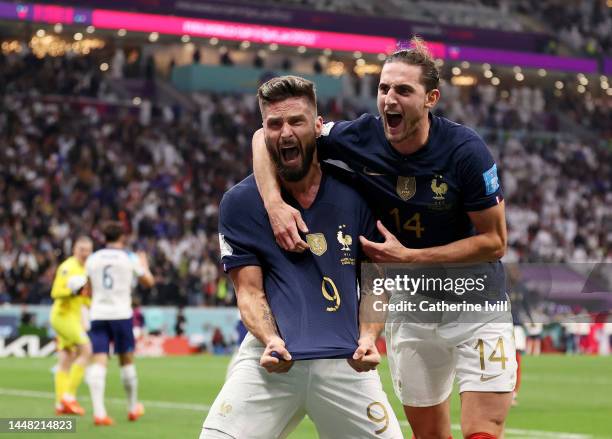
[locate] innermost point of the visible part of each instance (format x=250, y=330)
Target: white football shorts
x=341, y=402
x=425, y=358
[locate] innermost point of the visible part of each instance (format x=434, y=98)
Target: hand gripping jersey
x=313, y=295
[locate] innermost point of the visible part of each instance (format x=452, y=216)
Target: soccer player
x=433, y=183
x=112, y=273
x=73, y=345
x=301, y=310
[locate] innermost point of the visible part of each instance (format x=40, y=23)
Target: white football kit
x=113, y=273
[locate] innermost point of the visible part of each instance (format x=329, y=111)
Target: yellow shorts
x=69, y=331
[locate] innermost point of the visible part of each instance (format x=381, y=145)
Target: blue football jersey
x=422, y=198
x=313, y=295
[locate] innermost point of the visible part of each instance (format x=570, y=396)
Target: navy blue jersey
x=313, y=295
x=423, y=198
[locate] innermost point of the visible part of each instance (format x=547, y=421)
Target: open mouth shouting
x=394, y=119
x=290, y=154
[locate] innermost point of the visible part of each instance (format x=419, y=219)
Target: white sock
x=130, y=384
x=96, y=379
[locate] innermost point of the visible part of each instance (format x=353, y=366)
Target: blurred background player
x=73, y=345
x=112, y=273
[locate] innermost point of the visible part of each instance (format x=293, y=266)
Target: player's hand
x=286, y=221
x=366, y=356
x=276, y=358
x=391, y=250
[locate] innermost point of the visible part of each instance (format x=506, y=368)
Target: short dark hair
x=285, y=87
x=419, y=55
x=112, y=230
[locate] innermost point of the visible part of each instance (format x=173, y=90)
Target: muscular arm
x=283, y=218
x=252, y=303
x=258, y=318
x=488, y=245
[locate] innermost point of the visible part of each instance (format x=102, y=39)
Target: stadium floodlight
x=214, y=41
x=153, y=37
x=605, y=85
x=495, y=81
x=465, y=65
x=583, y=80
x=486, y=66
x=327, y=52
x=137, y=101
x=517, y=69
x=581, y=88
x=104, y=67
x=301, y=49
x=559, y=85
x=40, y=33
x=382, y=56
x=90, y=29
x=185, y=38
x=122, y=32
x=456, y=71
x=488, y=74
x=245, y=44
x=519, y=77
x=78, y=36
x=542, y=72
x=57, y=28
x=273, y=47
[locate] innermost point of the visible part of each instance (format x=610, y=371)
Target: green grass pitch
x=561, y=397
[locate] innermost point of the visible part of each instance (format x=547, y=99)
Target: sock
x=481, y=436
x=130, y=384
x=75, y=378
x=61, y=385
x=97, y=382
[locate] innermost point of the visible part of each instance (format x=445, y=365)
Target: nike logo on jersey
x=485, y=379
x=368, y=171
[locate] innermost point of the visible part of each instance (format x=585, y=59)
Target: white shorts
x=342, y=403
x=425, y=358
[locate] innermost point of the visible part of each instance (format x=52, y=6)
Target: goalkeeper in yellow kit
x=73, y=344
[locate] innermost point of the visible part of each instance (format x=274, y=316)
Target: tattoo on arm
x=268, y=317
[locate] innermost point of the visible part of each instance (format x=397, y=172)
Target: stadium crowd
x=584, y=26
x=66, y=164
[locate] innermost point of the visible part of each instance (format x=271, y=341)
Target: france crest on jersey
x=313, y=295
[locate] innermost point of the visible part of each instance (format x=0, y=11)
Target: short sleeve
x=478, y=176
x=235, y=235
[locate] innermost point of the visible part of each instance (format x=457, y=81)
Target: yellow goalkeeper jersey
x=66, y=303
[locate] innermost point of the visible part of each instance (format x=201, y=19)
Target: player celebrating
x=434, y=183
x=298, y=306
x=112, y=273
x=73, y=345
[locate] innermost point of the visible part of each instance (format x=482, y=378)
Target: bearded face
x=290, y=130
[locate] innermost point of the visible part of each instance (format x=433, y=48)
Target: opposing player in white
x=112, y=273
